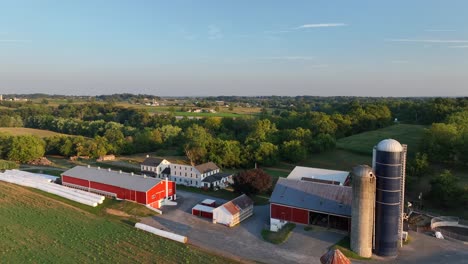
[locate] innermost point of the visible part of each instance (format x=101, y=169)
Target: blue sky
x=370, y=48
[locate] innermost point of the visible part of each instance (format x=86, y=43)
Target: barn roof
x=152, y=161
x=114, y=178
x=321, y=197
x=206, y=167
x=319, y=175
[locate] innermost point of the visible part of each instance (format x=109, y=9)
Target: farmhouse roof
x=319, y=175
x=166, y=171
x=206, y=167
x=114, y=178
x=216, y=177
x=152, y=161
x=315, y=196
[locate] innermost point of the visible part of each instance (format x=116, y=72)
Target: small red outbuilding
x=137, y=188
x=203, y=211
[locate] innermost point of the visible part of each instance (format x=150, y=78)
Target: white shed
x=233, y=212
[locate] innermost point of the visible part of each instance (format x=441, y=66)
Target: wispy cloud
x=214, y=32
x=321, y=25
x=439, y=30
x=459, y=47
x=431, y=40
x=289, y=58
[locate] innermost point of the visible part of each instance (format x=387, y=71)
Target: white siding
x=222, y=216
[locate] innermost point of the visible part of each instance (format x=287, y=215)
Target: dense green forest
x=287, y=129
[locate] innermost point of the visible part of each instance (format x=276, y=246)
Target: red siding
x=202, y=214
x=158, y=192
x=75, y=181
x=122, y=193
x=289, y=214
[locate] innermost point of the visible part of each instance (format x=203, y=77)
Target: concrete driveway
x=243, y=242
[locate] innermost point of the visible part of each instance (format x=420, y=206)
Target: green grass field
x=39, y=229
x=19, y=131
x=363, y=143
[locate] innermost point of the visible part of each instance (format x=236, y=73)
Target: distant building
x=106, y=158
x=205, y=175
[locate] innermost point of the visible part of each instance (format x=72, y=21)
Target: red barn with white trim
x=137, y=188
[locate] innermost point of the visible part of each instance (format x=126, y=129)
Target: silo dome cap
x=389, y=145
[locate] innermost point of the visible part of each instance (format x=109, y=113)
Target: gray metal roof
x=114, y=178
x=321, y=197
x=206, y=167
x=300, y=172
x=216, y=177
x=152, y=161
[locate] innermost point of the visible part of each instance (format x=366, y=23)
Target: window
x=185, y=174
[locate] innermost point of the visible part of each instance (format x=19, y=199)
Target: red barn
x=310, y=203
x=137, y=188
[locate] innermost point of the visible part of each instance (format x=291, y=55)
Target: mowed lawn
x=19, y=131
x=363, y=143
x=35, y=228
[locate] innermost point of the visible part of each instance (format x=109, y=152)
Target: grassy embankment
x=20, y=131
x=280, y=236
x=37, y=227
x=345, y=247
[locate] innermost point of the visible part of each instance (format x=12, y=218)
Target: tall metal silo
x=362, y=213
x=389, y=160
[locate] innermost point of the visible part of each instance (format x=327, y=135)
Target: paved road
x=244, y=241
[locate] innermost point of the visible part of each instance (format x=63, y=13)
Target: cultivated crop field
x=364, y=142
x=19, y=131
x=39, y=229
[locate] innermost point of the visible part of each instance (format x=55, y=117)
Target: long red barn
x=137, y=188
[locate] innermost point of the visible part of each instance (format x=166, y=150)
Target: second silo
x=362, y=213
x=388, y=162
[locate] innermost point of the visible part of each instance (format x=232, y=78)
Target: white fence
x=442, y=221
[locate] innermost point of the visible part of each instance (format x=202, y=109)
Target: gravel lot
x=243, y=242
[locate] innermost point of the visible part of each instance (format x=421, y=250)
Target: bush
x=252, y=182
x=8, y=165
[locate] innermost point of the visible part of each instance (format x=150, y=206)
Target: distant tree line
x=297, y=127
